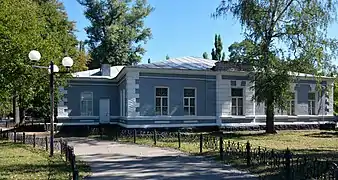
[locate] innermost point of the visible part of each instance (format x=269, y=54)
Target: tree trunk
x=22, y=110
x=16, y=111
x=270, y=126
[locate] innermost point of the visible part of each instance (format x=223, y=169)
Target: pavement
x=112, y=160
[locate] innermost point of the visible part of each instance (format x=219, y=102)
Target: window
x=86, y=106
x=161, y=101
x=291, y=105
x=311, y=103
x=233, y=83
x=243, y=83
x=237, y=101
x=189, y=101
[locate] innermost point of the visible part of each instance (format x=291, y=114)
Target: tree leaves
x=117, y=31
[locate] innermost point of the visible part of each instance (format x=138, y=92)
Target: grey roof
x=187, y=63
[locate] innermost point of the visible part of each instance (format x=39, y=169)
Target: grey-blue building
x=183, y=92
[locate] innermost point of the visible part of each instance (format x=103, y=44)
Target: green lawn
x=19, y=161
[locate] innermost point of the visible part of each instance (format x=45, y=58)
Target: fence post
x=287, y=157
x=34, y=140
x=221, y=150
x=14, y=136
x=155, y=137
x=248, y=154
x=134, y=136
x=201, y=143
x=61, y=146
x=179, y=138
x=1, y=133
x=23, y=137
x=46, y=143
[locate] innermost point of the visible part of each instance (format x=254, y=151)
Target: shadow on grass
x=325, y=134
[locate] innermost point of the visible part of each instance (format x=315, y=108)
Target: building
x=183, y=92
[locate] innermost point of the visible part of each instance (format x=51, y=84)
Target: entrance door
x=104, y=111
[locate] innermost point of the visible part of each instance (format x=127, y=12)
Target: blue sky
x=179, y=27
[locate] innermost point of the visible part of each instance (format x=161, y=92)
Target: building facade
x=183, y=92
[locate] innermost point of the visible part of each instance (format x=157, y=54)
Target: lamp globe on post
x=67, y=62
x=34, y=55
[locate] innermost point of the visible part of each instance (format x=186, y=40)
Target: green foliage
x=300, y=26
x=117, y=30
x=167, y=57
x=216, y=53
x=27, y=25
x=205, y=55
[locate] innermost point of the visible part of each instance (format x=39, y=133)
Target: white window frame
x=161, y=105
x=237, y=98
x=85, y=112
x=189, y=106
x=313, y=108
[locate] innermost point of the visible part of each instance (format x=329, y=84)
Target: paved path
x=111, y=160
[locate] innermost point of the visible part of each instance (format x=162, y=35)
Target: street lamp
x=52, y=69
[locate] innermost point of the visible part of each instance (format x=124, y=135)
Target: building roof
x=96, y=73
x=185, y=63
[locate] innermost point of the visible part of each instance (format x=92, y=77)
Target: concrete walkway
x=111, y=160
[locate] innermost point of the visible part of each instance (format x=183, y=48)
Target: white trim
x=190, y=121
x=77, y=117
x=237, y=99
x=178, y=78
x=161, y=105
x=276, y=123
x=189, y=106
x=159, y=122
x=94, y=84
x=167, y=125
x=151, y=118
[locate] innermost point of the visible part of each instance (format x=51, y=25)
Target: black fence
x=43, y=142
x=289, y=165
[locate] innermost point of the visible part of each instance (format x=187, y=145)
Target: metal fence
x=289, y=164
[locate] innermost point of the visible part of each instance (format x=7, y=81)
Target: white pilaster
x=131, y=88
x=62, y=107
x=223, y=96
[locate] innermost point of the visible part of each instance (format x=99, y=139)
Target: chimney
x=105, y=69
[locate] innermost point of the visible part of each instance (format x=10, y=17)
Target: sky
x=179, y=28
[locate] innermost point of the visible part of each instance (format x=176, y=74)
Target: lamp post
x=52, y=69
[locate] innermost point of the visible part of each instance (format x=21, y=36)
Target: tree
x=300, y=25
x=205, y=55
x=81, y=59
x=149, y=61
x=167, y=57
x=242, y=52
x=27, y=25
x=216, y=53
x=117, y=30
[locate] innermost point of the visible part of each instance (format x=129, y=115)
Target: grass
x=312, y=143
x=19, y=161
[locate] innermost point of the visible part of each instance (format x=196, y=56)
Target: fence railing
x=291, y=165
x=61, y=146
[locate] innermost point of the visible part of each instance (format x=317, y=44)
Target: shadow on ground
x=120, y=166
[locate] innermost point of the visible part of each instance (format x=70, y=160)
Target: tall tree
x=117, y=30
x=216, y=52
x=27, y=25
x=81, y=59
x=242, y=52
x=167, y=57
x=205, y=55
x=300, y=25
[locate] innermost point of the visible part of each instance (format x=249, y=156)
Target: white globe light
x=34, y=55
x=67, y=62
x=55, y=68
